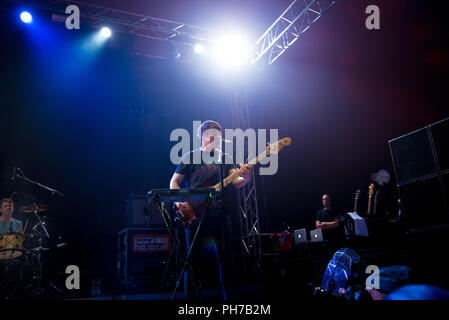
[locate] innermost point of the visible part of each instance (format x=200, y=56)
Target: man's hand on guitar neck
x=244, y=173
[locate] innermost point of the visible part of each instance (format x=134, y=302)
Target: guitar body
x=190, y=211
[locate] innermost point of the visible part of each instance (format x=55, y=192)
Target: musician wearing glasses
x=216, y=227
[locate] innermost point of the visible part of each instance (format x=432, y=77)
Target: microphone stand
x=224, y=212
x=22, y=177
x=41, y=226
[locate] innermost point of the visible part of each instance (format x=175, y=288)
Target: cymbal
x=38, y=208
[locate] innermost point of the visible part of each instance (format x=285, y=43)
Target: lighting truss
x=127, y=22
x=293, y=22
x=247, y=195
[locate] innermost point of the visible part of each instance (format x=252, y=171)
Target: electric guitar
x=356, y=200
x=192, y=210
x=370, y=196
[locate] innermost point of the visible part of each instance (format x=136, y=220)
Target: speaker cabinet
x=423, y=203
x=142, y=254
x=141, y=213
x=413, y=156
x=440, y=137
x=421, y=164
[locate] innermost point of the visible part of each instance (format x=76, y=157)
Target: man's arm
x=175, y=183
x=176, y=180
x=327, y=225
x=21, y=228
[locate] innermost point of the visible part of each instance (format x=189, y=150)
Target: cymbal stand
x=39, y=249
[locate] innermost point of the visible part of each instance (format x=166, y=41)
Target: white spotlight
x=233, y=51
x=105, y=32
x=198, y=48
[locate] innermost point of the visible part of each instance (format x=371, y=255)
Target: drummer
x=7, y=223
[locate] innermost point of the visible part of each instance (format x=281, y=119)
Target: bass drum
x=11, y=246
x=14, y=278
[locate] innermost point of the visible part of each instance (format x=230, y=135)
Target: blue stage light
x=26, y=17
x=105, y=32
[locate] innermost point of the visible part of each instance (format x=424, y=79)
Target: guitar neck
x=369, y=204
x=235, y=174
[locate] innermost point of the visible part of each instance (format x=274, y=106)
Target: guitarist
x=216, y=228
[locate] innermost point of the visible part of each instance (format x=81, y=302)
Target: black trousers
x=215, y=237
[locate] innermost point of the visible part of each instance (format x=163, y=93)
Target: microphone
x=13, y=176
x=225, y=141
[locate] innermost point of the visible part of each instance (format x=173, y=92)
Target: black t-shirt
x=329, y=216
x=203, y=175
x=326, y=215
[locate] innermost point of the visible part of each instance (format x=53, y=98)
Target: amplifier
x=142, y=213
x=421, y=163
x=142, y=254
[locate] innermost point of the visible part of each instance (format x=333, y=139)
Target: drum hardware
x=40, y=249
x=35, y=208
x=39, y=230
x=21, y=176
x=40, y=226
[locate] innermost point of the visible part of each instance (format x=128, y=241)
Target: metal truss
x=126, y=22
x=293, y=22
x=247, y=196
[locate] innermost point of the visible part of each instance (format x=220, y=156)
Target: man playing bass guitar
x=199, y=168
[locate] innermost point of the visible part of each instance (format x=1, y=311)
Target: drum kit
x=21, y=252
x=21, y=260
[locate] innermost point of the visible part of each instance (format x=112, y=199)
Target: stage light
x=233, y=51
x=198, y=48
x=26, y=17
x=97, y=39
x=105, y=32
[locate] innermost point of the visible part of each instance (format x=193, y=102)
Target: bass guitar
x=191, y=210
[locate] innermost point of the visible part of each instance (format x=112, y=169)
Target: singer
x=216, y=228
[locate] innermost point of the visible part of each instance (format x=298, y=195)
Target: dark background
x=96, y=126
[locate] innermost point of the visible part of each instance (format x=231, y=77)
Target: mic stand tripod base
x=188, y=256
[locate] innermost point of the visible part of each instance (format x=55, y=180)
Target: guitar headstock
x=275, y=147
x=371, y=189
x=357, y=194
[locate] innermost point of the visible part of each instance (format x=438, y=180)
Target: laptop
x=316, y=235
x=300, y=236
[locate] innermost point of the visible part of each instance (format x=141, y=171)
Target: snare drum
x=11, y=246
